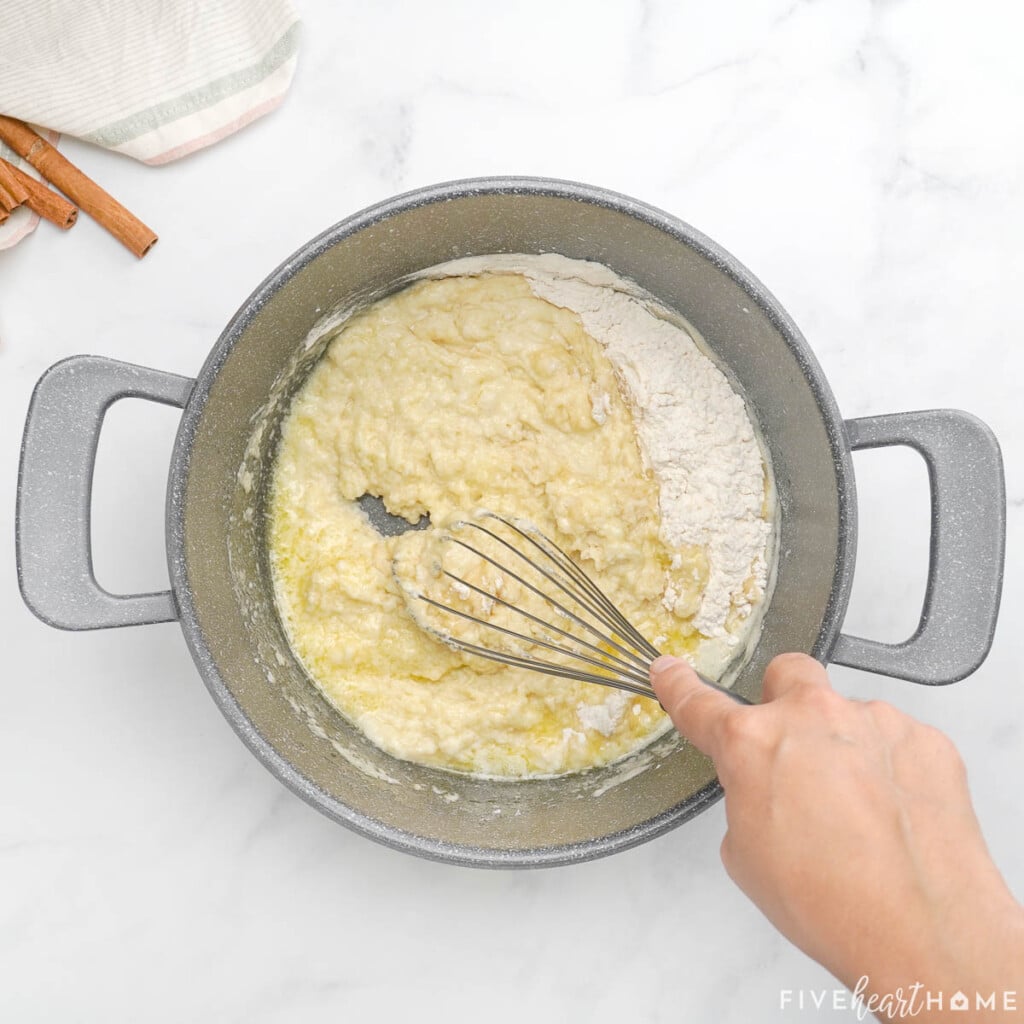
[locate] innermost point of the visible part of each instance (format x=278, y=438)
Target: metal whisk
x=576, y=630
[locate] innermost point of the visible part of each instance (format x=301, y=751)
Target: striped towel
x=154, y=79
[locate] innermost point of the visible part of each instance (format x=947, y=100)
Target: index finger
x=696, y=710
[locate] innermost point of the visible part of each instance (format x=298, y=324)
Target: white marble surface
x=865, y=160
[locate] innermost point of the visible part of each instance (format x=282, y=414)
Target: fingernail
x=663, y=664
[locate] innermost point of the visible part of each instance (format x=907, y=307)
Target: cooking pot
x=221, y=590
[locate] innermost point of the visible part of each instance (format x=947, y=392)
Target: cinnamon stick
x=42, y=200
x=78, y=187
x=7, y=201
x=10, y=184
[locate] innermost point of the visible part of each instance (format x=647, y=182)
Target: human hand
x=850, y=825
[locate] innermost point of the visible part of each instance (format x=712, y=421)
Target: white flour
x=693, y=428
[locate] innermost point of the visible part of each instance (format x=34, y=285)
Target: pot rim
x=305, y=788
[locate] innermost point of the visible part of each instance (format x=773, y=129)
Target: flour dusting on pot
x=552, y=390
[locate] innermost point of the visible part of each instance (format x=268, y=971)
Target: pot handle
x=965, y=566
x=58, y=454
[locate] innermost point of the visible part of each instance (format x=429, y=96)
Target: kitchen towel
x=153, y=79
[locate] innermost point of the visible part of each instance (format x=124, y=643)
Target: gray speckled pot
x=220, y=588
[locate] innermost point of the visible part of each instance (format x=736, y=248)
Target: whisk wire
x=612, y=617
x=553, y=669
x=540, y=593
x=622, y=655
x=550, y=626
x=601, y=609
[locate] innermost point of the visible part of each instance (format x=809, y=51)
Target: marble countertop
x=863, y=159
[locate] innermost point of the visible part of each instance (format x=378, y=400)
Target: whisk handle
x=737, y=697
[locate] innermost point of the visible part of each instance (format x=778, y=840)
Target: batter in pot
x=456, y=394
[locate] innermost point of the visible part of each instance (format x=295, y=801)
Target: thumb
x=696, y=709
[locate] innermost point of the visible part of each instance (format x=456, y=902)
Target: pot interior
x=221, y=474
